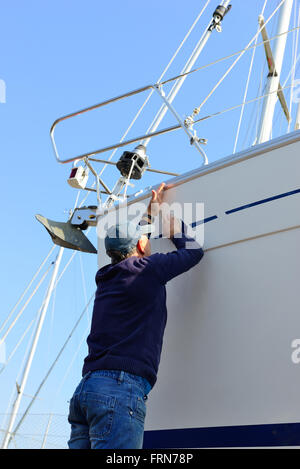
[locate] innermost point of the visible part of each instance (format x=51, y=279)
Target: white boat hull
x=226, y=376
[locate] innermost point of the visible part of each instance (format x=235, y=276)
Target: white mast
x=20, y=388
x=265, y=127
x=297, y=124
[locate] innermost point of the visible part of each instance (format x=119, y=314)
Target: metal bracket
x=84, y=217
x=218, y=17
x=69, y=234
x=194, y=141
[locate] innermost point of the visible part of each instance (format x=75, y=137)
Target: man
x=108, y=407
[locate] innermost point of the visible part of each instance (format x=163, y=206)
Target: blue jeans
x=108, y=410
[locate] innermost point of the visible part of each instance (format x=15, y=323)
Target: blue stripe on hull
x=205, y=220
x=242, y=207
x=263, y=201
x=283, y=434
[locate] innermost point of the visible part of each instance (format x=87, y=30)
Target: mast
x=266, y=122
x=20, y=388
x=297, y=124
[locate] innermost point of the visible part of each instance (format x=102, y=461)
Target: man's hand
x=156, y=200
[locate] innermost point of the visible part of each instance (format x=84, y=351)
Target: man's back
x=130, y=314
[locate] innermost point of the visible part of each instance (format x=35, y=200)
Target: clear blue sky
x=59, y=56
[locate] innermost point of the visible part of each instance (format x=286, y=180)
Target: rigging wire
x=54, y=363
x=294, y=55
x=229, y=56
x=27, y=288
x=262, y=89
x=70, y=365
x=247, y=85
x=65, y=267
x=58, y=389
x=83, y=280
x=254, y=120
x=26, y=304
x=236, y=106
x=175, y=84
x=52, y=315
x=244, y=100
x=10, y=402
x=295, y=49
x=198, y=109
x=4, y=365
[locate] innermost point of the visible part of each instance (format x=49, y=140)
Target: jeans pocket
x=99, y=411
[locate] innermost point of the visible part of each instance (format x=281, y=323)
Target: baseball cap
x=124, y=236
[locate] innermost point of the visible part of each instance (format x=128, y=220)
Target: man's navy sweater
x=130, y=313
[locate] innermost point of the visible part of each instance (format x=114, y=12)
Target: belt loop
x=121, y=377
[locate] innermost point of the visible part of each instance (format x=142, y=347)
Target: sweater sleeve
x=170, y=265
